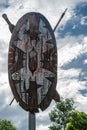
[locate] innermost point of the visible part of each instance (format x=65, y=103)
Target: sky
x=71, y=40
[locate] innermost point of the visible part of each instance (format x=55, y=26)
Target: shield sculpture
x=32, y=62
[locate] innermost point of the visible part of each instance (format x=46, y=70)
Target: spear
x=60, y=19
x=11, y=26
x=11, y=101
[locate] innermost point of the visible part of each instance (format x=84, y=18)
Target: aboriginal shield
x=32, y=62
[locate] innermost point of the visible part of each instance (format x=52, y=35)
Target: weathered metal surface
x=32, y=121
x=32, y=62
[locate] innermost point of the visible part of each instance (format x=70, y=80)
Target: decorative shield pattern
x=32, y=62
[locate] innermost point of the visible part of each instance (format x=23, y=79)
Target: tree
x=78, y=121
x=61, y=113
x=6, y=125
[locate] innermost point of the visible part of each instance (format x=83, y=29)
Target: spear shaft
x=60, y=19
x=11, y=26
x=12, y=101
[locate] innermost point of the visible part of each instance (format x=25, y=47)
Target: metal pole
x=32, y=121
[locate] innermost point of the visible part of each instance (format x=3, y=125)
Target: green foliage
x=65, y=116
x=55, y=127
x=61, y=113
x=6, y=125
x=70, y=127
x=78, y=120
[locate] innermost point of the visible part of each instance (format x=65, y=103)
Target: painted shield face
x=32, y=63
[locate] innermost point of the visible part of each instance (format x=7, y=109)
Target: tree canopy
x=78, y=121
x=61, y=113
x=6, y=125
x=65, y=116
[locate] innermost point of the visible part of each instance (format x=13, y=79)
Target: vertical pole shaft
x=32, y=121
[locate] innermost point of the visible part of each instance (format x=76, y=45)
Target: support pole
x=32, y=121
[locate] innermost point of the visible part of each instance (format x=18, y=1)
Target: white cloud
x=69, y=84
x=69, y=48
x=85, y=61
x=4, y=2
x=84, y=20
x=42, y=128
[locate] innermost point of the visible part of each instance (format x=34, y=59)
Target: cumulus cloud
x=4, y=4
x=3, y=56
x=71, y=49
x=84, y=20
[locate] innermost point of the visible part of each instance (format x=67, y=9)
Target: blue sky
x=71, y=37
x=77, y=25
